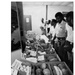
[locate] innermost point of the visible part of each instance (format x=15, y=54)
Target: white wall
x=52, y=10
x=37, y=12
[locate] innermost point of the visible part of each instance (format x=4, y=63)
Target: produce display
x=42, y=69
x=24, y=70
x=20, y=68
x=40, y=59
x=60, y=68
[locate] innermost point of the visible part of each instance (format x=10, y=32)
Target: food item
x=58, y=71
x=38, y=71
x=65, y=72
x=53, y=59
x=43, y=66
x=21, y=73
x=32, y=74
x=54, y=71
x=42, y=41
x=52, y=51
x=46, y=71
x=61, y=66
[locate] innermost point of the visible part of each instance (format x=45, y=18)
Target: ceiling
x=50, y=3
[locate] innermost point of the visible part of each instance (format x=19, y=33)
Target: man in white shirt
x=60, y=32
x=43, y=35
x=52, y=28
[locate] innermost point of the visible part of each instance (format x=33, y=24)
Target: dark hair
x=42, y=20
x=49, y=21
x=59, y=14
x=54, y=20
x=70, y=14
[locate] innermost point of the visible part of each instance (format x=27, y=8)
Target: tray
x=40, y=70
x=63, y=67
x=52, y=57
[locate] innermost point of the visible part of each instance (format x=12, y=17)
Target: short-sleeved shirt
x=48, y=28
x=69, y=33
x=60, y=29
x=44, y=38
x=52, y=31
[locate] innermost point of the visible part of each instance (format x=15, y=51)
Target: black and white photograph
x=42, y=38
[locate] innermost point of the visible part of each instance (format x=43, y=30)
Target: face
x=53, y=23
x=59, y=19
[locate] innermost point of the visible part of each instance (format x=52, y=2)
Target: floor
x=15, y=55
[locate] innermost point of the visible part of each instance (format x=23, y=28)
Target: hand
x=56, y=40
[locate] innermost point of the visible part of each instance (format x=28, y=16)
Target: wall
x=37, y=12
x=52, y=10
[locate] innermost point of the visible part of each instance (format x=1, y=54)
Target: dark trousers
x=68, y=47
x=59, y=47
x=62, y=51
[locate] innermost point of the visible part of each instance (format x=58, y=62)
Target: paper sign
x=27, y=20
x=40, y=58
x=32, y=59
x=41, y=52
x=33, y=53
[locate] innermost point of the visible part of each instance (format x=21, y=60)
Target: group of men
x=60, y=33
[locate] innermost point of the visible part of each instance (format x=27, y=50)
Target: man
x=61, y=26
x=60, y=34
x=48, y=25
x=43, y=35
x=69, y=40
x=69, y=27
x=52, y=29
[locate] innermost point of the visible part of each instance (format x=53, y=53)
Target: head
x=59, y=17
x=53, y=22
x=42, y=29
x=69, y=18
x=42, y=20
x=49, y=21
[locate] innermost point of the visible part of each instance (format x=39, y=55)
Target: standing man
x=69, y=40
x=60, y=32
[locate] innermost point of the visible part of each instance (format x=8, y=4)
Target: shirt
x=69, y=33
x=60, y=29
x=44, y=38
x=48, y=27
x=52, y=31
